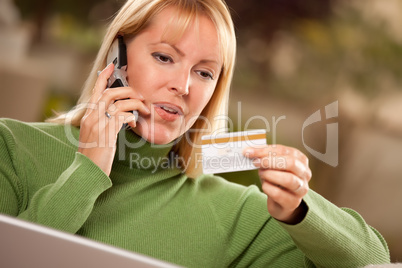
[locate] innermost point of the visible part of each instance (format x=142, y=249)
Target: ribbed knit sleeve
x=44, y=180
x=67, y=203
x=10, y=185
x=334, y=237
x=327, y=237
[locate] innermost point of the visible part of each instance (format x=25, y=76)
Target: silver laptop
x=24, y=244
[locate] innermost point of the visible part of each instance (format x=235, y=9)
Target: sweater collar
x=137, y=153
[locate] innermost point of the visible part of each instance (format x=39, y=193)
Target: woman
x=87, y=176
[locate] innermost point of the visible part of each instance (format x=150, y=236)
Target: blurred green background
x=294, y=58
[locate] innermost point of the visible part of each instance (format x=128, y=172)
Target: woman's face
x=176, y=79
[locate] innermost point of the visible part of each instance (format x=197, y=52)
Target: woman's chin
x=157, y=136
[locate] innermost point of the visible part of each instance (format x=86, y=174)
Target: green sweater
x=160, y=212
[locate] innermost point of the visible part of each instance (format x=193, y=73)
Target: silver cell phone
x=118, y=56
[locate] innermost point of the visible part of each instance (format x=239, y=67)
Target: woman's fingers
x=101, y=83
x=122, y=99
x=127, y=105
x=113, y=102
x=276, y=150
x=282, y=158
x=285, y=181
x=111, y=95
x=281, y=198
x=284, y=175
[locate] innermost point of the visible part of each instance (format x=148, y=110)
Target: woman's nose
x=180, y=84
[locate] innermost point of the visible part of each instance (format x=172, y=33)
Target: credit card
x=224, y=152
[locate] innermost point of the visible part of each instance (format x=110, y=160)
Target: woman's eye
x=162, y=58
x=206, y=75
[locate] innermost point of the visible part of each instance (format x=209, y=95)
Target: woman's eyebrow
x=182, y=54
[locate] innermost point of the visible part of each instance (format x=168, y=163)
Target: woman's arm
x=44, y=181
x=67, y=203
x=334, y=237
x=327, y=235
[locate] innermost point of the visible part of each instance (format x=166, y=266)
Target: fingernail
x=130, y=119
x=99, y=72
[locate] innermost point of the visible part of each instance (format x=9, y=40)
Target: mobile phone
x=117, y=55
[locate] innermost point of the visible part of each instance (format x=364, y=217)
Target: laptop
x=24, y=244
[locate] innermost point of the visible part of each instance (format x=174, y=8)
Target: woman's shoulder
x=36, y=135
x=14, y=124
x=28, y=131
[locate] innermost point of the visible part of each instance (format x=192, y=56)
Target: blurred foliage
x=262, y=18
x=311, y=56
x=75, y=22
x=68, y=31
x=86, y=12
x=57, y=100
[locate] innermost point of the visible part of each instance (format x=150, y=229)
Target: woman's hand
x=284, y=175
x=107, y=111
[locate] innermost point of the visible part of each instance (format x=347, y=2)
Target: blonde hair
x=134, y=17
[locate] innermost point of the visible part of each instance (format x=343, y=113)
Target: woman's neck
x=136, y=152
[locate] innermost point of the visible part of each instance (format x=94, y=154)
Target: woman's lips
x=168, y=112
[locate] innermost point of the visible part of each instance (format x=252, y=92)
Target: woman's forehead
x=174, y=24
